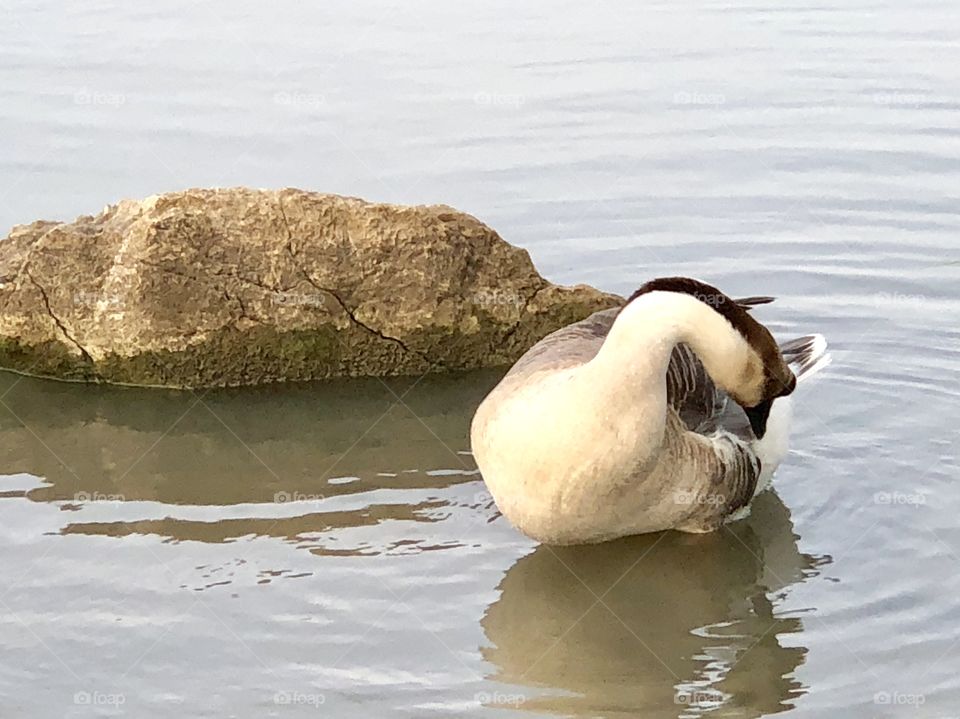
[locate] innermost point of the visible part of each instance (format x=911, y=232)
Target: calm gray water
x=329, y=550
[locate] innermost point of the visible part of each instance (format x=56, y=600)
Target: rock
x=238, y=286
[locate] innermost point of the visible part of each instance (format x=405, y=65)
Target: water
x=329, y=550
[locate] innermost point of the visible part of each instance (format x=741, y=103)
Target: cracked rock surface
x=238, y=286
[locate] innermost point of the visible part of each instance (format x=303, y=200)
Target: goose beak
x=758, y=416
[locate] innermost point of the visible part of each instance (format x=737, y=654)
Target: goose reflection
x=658, y=625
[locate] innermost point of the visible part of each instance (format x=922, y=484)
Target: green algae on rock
x=226, y=287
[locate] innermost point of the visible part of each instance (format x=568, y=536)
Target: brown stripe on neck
x=752, y=331
x=708, y=294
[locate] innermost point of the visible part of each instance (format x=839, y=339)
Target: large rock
x=239, y=286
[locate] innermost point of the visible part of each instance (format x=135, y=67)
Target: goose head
x=765, y=381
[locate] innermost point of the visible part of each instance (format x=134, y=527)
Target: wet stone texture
x=238, y=286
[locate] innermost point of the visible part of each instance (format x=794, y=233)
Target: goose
x=670, y=412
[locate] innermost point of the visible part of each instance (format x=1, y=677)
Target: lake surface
x=329, y=550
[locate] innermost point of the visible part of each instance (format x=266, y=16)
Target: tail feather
x=806, y=355
x=748, y=303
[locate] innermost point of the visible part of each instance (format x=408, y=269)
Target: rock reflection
x=685, y=624
x=298, y=528
x=234, y=446
x=293, y=462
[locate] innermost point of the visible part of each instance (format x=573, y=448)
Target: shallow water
x=330, y=549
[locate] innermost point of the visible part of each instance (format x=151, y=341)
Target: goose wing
x=691, y=393
x=569, y=346
x=702, y=406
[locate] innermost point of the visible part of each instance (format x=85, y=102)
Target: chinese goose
x=670, y=412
